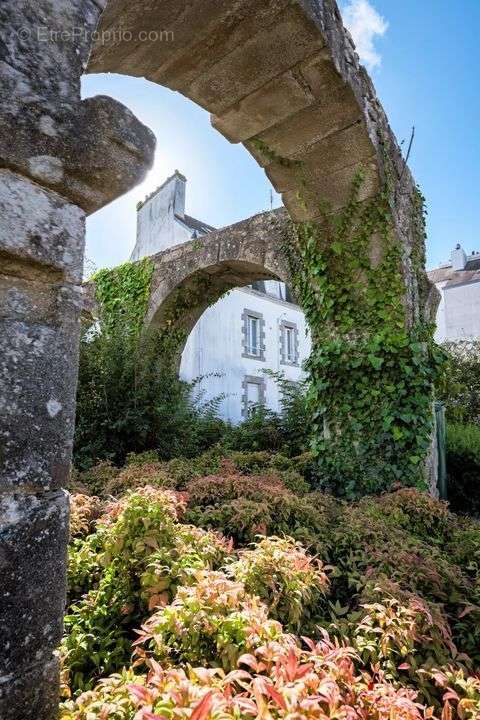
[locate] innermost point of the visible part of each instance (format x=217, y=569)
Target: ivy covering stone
x=371, y=375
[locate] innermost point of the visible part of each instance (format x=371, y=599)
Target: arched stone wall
x=282, y=77
x=201, y=271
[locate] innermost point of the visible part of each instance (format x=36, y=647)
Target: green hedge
x=463, y=467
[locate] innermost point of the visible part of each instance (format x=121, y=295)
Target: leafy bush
x=371, y=547
x=213, y=622
x=402, y=602
x=84, y=510
x=463, y=467
x=400, y=638
x=254, y=462
x=138, y=475
x=290, y=582
x=261, y=431
x=130, y=400
x=243, y=507
x=97, y=477
x=418, y=513
x=218, y=489
x=281, y=682
x=461, y=693
x=288, y=470
x=287, y=431
x=148, y=456
x=460, y=387
x=118, y=574
x=193, y=550
x=404, y=541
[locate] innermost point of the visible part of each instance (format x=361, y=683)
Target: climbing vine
x=122, y=295
x=371, y=371
x=371, y=375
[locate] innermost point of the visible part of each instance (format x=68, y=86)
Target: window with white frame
x=253, y=335
x=289, y=351
x=254, y=394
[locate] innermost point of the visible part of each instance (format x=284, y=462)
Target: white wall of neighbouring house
x=462, y=311
x=441, y=329
x=458, y=281
x=215, y=349
x=216, y=345
x=159, y=219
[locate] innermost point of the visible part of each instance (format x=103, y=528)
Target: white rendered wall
x=215, y=345
x=441, y=330
x=462, y=311
x=158, y=228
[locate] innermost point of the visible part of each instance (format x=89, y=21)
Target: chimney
x=458, y=258
x=179, y=196
x=156, y=217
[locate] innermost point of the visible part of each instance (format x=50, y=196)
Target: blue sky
x=422, y=56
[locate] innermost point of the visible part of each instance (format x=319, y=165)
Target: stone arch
x=190, y=277
x=280, y=76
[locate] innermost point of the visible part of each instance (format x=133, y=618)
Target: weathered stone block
x=39, y=227
x=32, y=694
x=90, y=153
x=38, y=376
x=44, y=47
x=302, y=130
x=272, y=50
x=336, y=151
x=195, y=36
x=334, y=189
x=33, y=537
x=264, y=108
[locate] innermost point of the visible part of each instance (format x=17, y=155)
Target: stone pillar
x=42, y=244
x=60, y=158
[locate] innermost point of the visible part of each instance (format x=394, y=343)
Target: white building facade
x=458, y=314
x=247, y=332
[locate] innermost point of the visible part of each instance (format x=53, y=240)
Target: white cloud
x=365, y=24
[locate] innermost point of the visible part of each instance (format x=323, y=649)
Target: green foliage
x=287, y=431
x=123, y=295
x=401, y=602
x=374, y=544
x=401, y=638
x=459, y=388
x=138, y=475
x=129, y=397
x=282, y=681
x=404, y=542
x=463, y=467
x=84, y=510
x=290, y=582
x=242, y=507
x=370, y=376
x=129, y=400
x=96, y=478
x=116, y=574
x=212, y=622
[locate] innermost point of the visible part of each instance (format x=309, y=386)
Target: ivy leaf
x=337, y=247
x=375, y=361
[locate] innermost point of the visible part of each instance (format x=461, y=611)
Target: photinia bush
x=213, y=622
x=288, y=580
x=133, y=562
x=401, y=603
x=84, y=510
x=274, y=681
